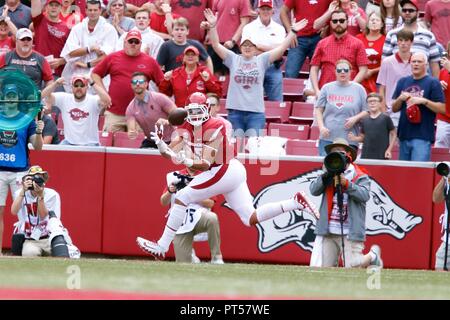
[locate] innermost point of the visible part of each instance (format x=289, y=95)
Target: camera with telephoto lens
x=336, y=162
x=38, y=180
x=184, y=180
x=442, y=169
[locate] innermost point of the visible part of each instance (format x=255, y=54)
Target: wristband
x=293, y=30
x=38, y=132
x=233, y=41
x=88, y=64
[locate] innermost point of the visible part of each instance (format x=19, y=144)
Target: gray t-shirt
x=340, y=103
x=126, y=23
x=171, y=54
x=376, y=136
x=21, y=17
x=246, y=90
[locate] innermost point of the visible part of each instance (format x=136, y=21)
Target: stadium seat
x=302, y=113
x=121, y=140
x=304, y=72
x=314, y=133
x=101, y=122
x=106, y=138
x=277, y=111
x=60, y=127
x=301, y=147
x=224, y=81
x=290, y=131
x=440, y=154
x=293, y=89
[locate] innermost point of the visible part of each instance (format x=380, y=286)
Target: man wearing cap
x=80, y=110
x=189, y=78
x=171, y=53
x=14, y=160
x=307, y=39
x=346, y=222
x=151, y=42
x=120, y=66
x=50, y=33
x=19, y=13
x=267, y=34
x=25, y=59
x=38, y=209
x=424, y=40
x=88, y=43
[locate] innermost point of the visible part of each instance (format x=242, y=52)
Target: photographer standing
x=330, y=229
x=39, y=230
x=198, y=221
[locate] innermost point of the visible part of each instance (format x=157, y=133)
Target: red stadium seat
x=314, y=133
x=302, y=112
x=225, y=82
x=301, y=148
x=293, y=89
x=121, y=140
x=60, y=127
x=440, y=154
x=106, y=138
x=290, y=131
x=277, y=111
x=101, y=122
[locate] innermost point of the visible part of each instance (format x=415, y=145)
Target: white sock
x=174, y=222
x=372, y=255
x=271, y=210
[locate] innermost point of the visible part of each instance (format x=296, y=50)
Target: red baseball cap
x=79, y=77
x=50, y=1
x=193, y=49
x=134, y=34
x=413, y=2
x=267, y=3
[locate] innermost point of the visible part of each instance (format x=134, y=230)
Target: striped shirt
x=424, y=41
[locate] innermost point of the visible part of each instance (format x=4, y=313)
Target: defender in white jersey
x=202, y=144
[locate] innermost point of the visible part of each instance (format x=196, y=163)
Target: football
x=177, y=116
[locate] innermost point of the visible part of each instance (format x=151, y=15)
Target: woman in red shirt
x=189, y=78
x=373, y=39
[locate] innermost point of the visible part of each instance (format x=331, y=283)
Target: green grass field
x=232, y=280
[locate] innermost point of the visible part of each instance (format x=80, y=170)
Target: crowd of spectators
x=177, y=47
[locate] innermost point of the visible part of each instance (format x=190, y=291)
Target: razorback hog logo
x=383, y=216
x=77, y=114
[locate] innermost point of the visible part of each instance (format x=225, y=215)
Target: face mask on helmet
x=197, y=113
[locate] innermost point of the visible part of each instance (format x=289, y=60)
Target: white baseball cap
x=24, y=33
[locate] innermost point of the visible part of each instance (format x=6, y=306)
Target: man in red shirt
x=162, y=18
x=443, y=120
x=50, y=33
x=307, y=38
x=339, y=45
x=120, y=66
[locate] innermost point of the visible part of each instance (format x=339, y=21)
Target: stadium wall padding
x=109, y=196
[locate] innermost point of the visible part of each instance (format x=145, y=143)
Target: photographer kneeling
x=341, y=226
x=39, y=230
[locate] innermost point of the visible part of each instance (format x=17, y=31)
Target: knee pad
x=59, y=247
x=17, y=243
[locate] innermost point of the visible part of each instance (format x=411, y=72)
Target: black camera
x=443, y=169
x=336, y=162
x=184, y=180
x=38, y=180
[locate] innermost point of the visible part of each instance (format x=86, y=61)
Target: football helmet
x=197, y=109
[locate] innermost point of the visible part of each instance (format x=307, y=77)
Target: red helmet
x=197, y=109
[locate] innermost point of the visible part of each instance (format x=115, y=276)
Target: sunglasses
x=134, y=41
x=138, y=81
x=79, y=85
x=25, y=39
x=409, y=10
x=341, y=21
x=342, y=70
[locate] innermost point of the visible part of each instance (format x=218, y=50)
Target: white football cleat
x=306, y=203
x=151, y=247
